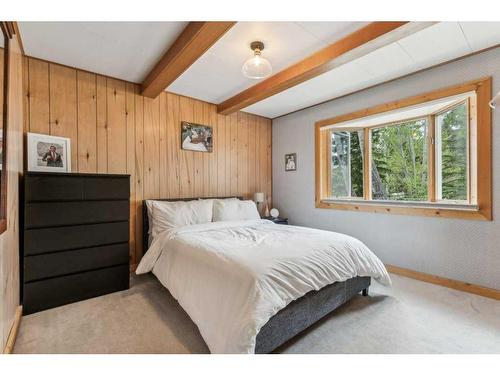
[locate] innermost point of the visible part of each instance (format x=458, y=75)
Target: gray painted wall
x=458, y=249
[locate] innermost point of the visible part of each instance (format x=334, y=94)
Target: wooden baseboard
x=11, y=340
x=448, y=283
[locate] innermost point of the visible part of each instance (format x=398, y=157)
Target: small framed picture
x=195, y=137
x=47, y=153
x=290, y=162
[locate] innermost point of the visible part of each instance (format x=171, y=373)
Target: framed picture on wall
x=196, y=137
x=47, y=153
x=290, y=162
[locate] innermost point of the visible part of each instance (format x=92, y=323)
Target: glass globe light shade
x=257, y=67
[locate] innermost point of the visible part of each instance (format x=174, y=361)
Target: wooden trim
x=317, y=164
x=193, y=42
x=359, y=43
x=482, y=87
x=7, y=33
x=447, y=283
x=431, y=158
x=367, y=168
x=11, y=339
x=18, y=35
x=484, y=153
x=8, y=28
x=322, y=164
x=473, y=146
x=404, y=209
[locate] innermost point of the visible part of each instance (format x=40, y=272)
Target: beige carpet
x=410, y=317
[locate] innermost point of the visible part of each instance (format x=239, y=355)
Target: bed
x=245, y=298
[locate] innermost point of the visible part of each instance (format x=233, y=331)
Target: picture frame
x=290, y=162
x=196, y=137
x=47, y=153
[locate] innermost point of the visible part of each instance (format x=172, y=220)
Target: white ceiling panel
x=481, y=35
x=441, y=42
x=386, y=62
x=329, y=32
x=219, y=70
x=126, y=50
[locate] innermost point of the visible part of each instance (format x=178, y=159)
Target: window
x=418, y=155
x=399, y=161
x=451, y=153
x=347, y=164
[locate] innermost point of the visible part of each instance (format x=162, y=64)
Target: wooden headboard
x=145, y=218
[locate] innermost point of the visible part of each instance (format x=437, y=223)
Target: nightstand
x=277, y=220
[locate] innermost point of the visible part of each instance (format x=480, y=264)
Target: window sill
x=438, y=209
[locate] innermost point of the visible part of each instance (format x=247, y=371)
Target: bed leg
x=365, y=292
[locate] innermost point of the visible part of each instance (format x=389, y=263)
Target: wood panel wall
x=9, y=240
x=113, y=129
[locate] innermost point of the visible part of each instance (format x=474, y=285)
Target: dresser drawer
x=39, y=241
x=53, y=188
x=68, y=188
x=38, y=267
x=55, y=214
x=45, y=294
x=116, y=188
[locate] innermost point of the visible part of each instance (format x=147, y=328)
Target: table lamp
x=259, y=198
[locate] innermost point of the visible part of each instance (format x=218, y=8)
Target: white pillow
x=235, y=209
x=167, y=215
x=217, y=199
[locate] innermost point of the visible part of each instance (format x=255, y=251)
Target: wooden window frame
x=479, y=166
x=7, y=32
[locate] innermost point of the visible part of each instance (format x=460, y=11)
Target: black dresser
x=74, y=239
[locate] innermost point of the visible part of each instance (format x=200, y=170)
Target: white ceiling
x=216, y=76
x=436, y=44
x=126, y=50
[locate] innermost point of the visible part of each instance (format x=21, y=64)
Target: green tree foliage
x=399, y=154
x=356, y=165
x=399, y=159
x=453, y=128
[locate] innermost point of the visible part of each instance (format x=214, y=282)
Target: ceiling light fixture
x=257, y=67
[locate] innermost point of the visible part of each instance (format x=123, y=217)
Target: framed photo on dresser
x=47, y=153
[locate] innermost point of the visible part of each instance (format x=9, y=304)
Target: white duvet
x=232, y=277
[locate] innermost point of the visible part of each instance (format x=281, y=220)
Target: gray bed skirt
x=305, y=311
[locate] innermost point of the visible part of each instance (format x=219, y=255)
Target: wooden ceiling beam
x=361, y=42
x=193, y=42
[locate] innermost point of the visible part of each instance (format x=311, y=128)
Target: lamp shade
x=258, y=197
x=257, y=67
